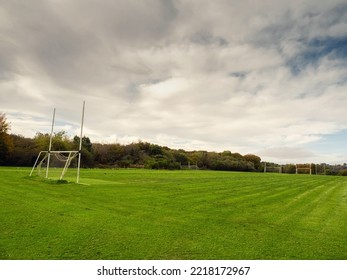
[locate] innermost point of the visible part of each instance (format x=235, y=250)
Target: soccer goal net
x=56, y=165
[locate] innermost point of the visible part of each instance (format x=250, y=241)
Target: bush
x=342, y=172
x=162, y=163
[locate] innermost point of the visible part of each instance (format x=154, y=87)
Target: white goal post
x=267, y=168
x=304, y=167
x=190, y=166
x=65, y=157
x=321, y=169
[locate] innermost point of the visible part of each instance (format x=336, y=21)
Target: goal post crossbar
x=268, y=168
x=59, y=152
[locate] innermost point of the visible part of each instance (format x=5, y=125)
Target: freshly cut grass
x=145, y=214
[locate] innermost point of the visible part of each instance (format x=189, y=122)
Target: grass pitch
x=145, y=214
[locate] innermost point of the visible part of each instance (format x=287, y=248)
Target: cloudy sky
x=265, y=77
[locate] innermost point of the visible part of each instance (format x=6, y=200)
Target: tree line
x=17, y=150
x=23, y=151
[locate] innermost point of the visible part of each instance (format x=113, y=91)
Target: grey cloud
x=130, y=22
x=289, y=154
x=81, y=43
x=213, y=74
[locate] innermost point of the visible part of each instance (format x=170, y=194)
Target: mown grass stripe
x=143, y=214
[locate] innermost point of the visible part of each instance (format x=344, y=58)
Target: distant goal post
x=272, y=168
x=304, y=167
x=320, y=169
x=189, y=166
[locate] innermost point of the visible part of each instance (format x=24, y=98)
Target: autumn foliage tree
x=6, y=144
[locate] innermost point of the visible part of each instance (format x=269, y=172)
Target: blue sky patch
x=335, y=48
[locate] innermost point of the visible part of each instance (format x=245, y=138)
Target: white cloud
x=164, y=89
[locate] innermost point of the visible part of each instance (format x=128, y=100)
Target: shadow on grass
x=48, y=181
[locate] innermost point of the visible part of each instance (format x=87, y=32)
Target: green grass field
x=145, y=214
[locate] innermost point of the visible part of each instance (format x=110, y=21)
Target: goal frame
x=71, y=154
x=70, y=157
x=190, y=166
x=321, y=166
x=303, y=168
x=266, y=167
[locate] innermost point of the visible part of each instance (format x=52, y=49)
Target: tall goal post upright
x=80, y=147
x=50, y=144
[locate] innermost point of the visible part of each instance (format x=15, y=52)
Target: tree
x=86, y=143
x=181, y=157
x=155, y=150
x=60, y=141
x=24, y=151
x=87, y=150
x=254, y=159
x=6, y=143
x=41, y=141
x=4, y=125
